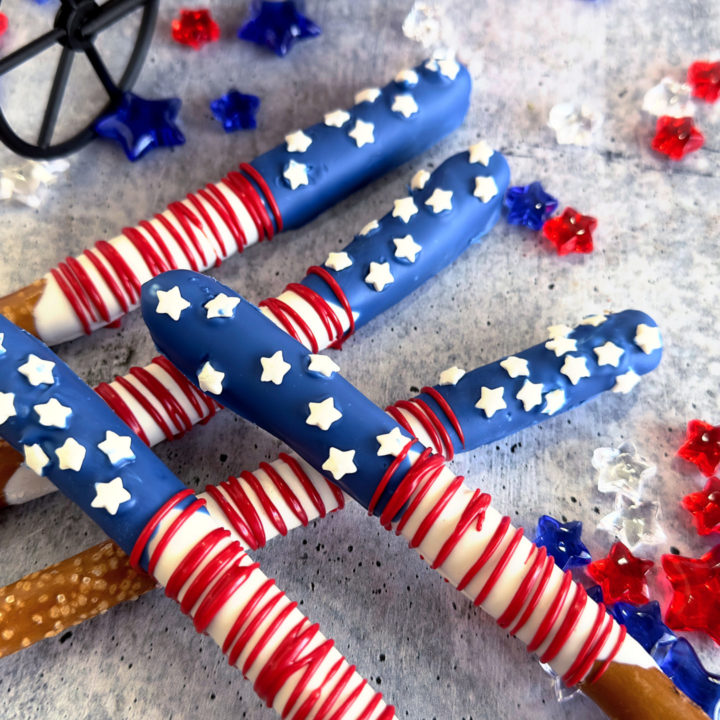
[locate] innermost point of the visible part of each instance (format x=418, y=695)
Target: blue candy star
x=562, y=541
x=595, y=593
x=644, y=623
x=140, y=125
x=529, y=205
x=236, y=111
x=277, y=24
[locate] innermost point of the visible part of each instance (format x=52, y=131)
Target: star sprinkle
x=676, y=137
x=277, y=25
x=440, y=200
x=338, y=261
x=423, y=23
x=634, y=523
x=392, y=443
x=235, y=110
x=669, y=98
x=515, y=366
x=570, y=232
x=336, y=118
x=221, y=306
x=210, y=379
x=195, y=28
x=419, y=180
x=296, y=174
x=370, y=227
x=562, y=541
x=379, y=276
x=559, y=331
x=141, y=125
x=71, y=455
x=110, y=495
x=594, y=320
x=705, y=507
x=37, y=370
x=323, y=414
x=644, y=623
x=274, y=368
x=362, y=133
x=621, y=576
x=451, y=375
x=485, y=188
x=406, y=248
x=704, y=77
x=622, y=470
x=297, y=142
x=491, y=400
x=481, y=153
x=405, y=105
x=561, y=345
x=530, y=395
x=529, y=205
x=53, y=413
x=575, y=368
x=171, y=302
x=7, y=406
x=554, y=400
x=695, y=604
x=702, y=446
x=404, y=208
x=626, y=382
x=35, y=458
x=117, y=448
x=340, y=463
x=608, y=354
x=407, y=77
x=367, y=95
x=322, y=364
x=574, y=124
x=27, y=183
x=647, y=338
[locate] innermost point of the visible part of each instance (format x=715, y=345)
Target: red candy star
x=702, y=446
x=195, y=28
x=621, y=576
x=705, y=507
x=676, y=137
x=695, y=603
x=570, y=232
x=705, y=80
x=3, y=23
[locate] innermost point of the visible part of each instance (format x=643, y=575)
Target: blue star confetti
x=141, y=125
x=562, y=541
x=529, y=205
x=277, y=24
x=595, y=593
x=236, y=111
x=644, y=623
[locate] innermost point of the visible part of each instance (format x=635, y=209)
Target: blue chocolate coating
x=337, y=166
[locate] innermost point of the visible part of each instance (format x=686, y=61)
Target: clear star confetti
x=27, y=183
x=622, y=470
x=574, y=124
x=424, y=23
x=669, y=98
x=634, y=523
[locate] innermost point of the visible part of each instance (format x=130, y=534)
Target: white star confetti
x=110, y=495
x=7, y=406
x=392, y=443
x=35, y=458
x=210, y=379
x=322, y=364
x=338, y=261
x=574, y=124
x=451, y=376
x=626, y=382
x=647, y=338
x=117, y=448
x=448, y=67
x=440, y=200
x=340, y=463
x=608, y=354
x=296, y=174
x=575, y=368
x=424, y=23
x=298, y=142
x=669, y=98
x=367, y=95
x=404, y=208
x=405, y=105
x=323, y=414
x=71, y=455
x=419, y=180
x=274, y=368
x=336, y=118
x=515, y=366
x=481, y=153
x=27, y=183
x=53, y=413
x=554, y=400
x=622, y=470
x=367, y=229
x=634, y=524
x=406, y=248
x=37, y=370
x=171, y=302
x=561, y=345
x=530, y=395
x=593, y=320
x=485, y=188
x=491, y=400
x=221, y=306
x=558, y=331
x=407, y=77
x=379, y=276
x=362, y=133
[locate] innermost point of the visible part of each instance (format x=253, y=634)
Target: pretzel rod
x=264, y=375
x=74, y=438
x=280, y=190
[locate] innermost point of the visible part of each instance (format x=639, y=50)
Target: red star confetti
x=676, y=137
x=3, y=23
x=702, y=446
x=705, y=80
x=705, y=507
x=695, y=604
x=195, y=28
x=621, y=576
x=570, y=232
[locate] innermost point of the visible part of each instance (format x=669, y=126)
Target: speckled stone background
x=419, y=641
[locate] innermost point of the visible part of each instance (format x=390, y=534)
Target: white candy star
x=575, y=368
x=110, y=495
x=485, y=188
x=367, y=95
x=626, y=382
x=407, y=77
x=52, y=413
x=379, y=276
x=451, y=375
x=647, y=338
x=323, y=414
x=298, y=141
x=530, y=394
x=419, y=180
x=554, y=400
x=407, y=248
x=274, y=368
x=608, y=354
x=372, y=225
x=338, y=261
x=362, y=133
x=515, y=366
x=491, y=400
x=481, y=153
x=7, y=406
x=222, y=306
x=448, y=67
x=70, y=455
x=558, y=331
x=116, y=447
x=296, y=174
x=210, y=379
x=35, y=458
x=405, y=105
x=322, y=364
x=37, y=370
x=336, y=118
x=340, y=463
x=391, y=443
x=594, y=320
x=561, y=345
x=171, y=302
x=440, y=200
x=404, y=208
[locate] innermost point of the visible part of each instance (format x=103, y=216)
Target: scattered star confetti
x=70, y=455
x=647, y=338
x=622, y=470
x=423, y=23
x=485, y=188
x=392, y=443
x=575, y=368
x=117, y=448
x=210, y=379
x=379, y=276
x=274, y=368
x=336, y=118
x=634, y=523
x=574, y=124
x=702, y=446
x=35, y=458
x=621, y=576
x=27, y=183
x=554, y=400
x=562, y=541
x=705, y=507
x=529, y=205
x=669, y=98
x=676, y=137
x=322, y=364
x=338, y=261
x=644, y=623
x=704, y=77
x=367, y=95
x=195, y=28
x=362, y=133
x=491, y=400
x=440, y=200
x=404, y=208
x=37, y=370
x=340, y=463
x=559, y=331
x=594, y=320
x=406, y=248
x=419, y=180
x=221, y=306
x=373, y=225
x=296, y=174
x=53, y=413
x=570, y=232
x=530, y=395
x=608, y=354
x=451, y=375
x=515, y=366
x=323, y=414
x=7, y=406
x=171, y=302
x=298, y=141
x=561, y=345
x=405, y=105
x=110, y=495
x=407, y=77
x=235, y=110
x=480, y=152
x=626, y=382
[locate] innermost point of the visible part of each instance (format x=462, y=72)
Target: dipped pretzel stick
x=288, y=493
x=443, y=214
x=253, y=368
x=70, y=435
x=279, y=190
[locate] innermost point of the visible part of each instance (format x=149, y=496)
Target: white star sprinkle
x=419, y=180
x=7, y=406
x=647, y=338
x=574, y=368
x=221, y=306
x=407, y=248
x=70, y=455
x=561, y=345
x=298, y=141
x=405, y=105
x=117, y=448
x=367, y=95
x=593, y=320
x=626, y=382
x=407, y=77
x=323, y=414
x=296, y=174
x=53, y=413
x=37, y=370
x=171, y=302
x=491, y=400
x=379, y=276
x=554, y=400
x=322, y=364
x=608, y=354
x=440, y=200
x=110, y=495
x=210, y=379
x=530, y=395
x=404, y=208
x=515, y=366
x=338, y=261
x=336, y=118
x=391, y=443
x=274, y=368
x=340, y=463
x=35, y=458
x=362, y=133
x=485, y=188
x=481, y=153
x=451, y=375
x=367, y=229
x=449, y=68
x=558, y=331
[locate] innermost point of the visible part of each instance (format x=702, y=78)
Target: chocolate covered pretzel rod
x=280, y=190
x=250, y=366
x=69, y=434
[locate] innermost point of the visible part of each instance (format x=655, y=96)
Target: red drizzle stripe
x=417, y=412
x=246, y=509
x=170, y=403
x=168, y=535
x=600, y=618
x=108, y=279
x=267, y=193
x=487, y=553
x=380, y=489
x=282, y=310
x=449, y=452
x=58, y=274
x=179, y=241
x=611, y=656
x=499, y=567
x=568, y=624
x=149, y=254
x=328, y=317
x=233, y=516
x=552, y=614
x=119, y=407
x=245, y=192
x=87, y=286
x=288, y=495
x=309, y=488
x=117, y=262
x=270, y=508
x=217, y=200
x=190, y=222
x=157, y=238
x=539, y=555
x=210, y=223
x=341, y=297
x=146, y=404
x=196, y=398
x=445, y=406
x=542, y=583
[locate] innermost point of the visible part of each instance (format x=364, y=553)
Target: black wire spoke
x=101, y=71
x=56, y=95
x=30, y=50
x=109, y=13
